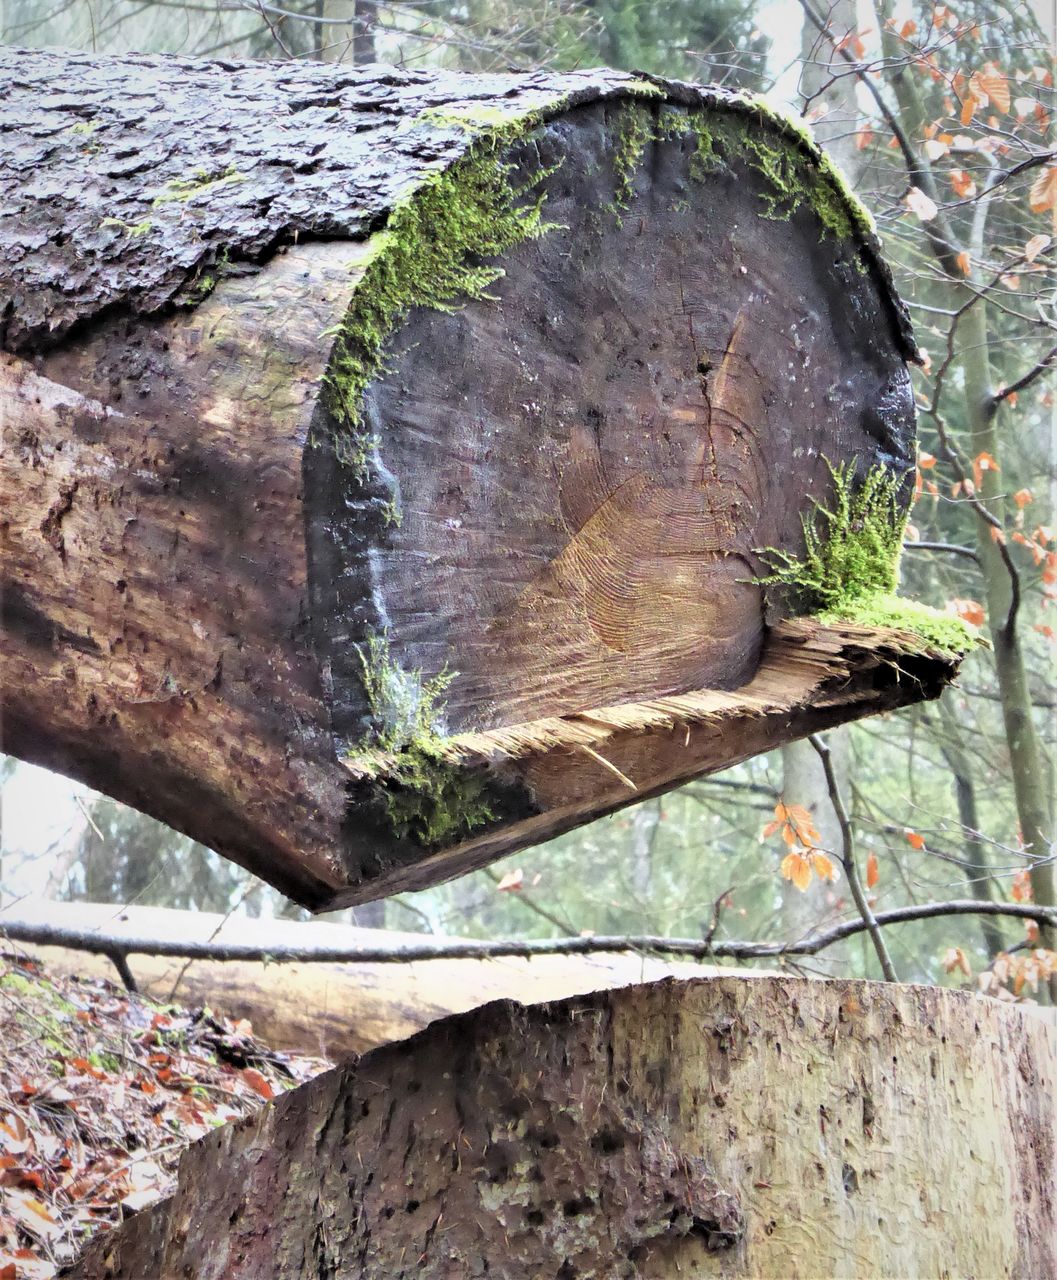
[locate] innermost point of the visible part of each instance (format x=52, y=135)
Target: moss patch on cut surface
x=424, y=796
x=850, y=567
x=434, y=252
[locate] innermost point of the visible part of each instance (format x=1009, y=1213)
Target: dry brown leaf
x=1043, y=194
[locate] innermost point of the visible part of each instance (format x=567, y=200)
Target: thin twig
x=847, y=858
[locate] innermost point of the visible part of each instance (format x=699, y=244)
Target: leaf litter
x=100, y=1092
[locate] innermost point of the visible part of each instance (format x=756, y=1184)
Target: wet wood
x=563, y=488
x=771, y=1128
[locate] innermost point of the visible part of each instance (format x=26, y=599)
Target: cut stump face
x=569, y=482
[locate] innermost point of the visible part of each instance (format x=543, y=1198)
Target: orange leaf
x=965, y=263
x=795, y=867
x=963, y=184
x=998, y=535
x=863, y=139
x=935, y=149
x=258, y=1083
x=968, y=110
x=1022, y=890
x=981, y=463
x=971, y=611
x=926, y=461
x=955, y=958
x=915, y=840
x=1035, y=246
x=908, y=28
x=918, y=202
x=822, y=866
x=995, y=85
x=873, y=874
x=770, y=829
x=1043, y=194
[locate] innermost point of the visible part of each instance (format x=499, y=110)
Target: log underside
x=563, y=486
x=578, y=767
x=775, y=1128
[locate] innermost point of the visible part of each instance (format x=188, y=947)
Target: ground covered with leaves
x=100, y=1092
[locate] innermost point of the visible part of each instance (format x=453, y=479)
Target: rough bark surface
x=774, y=1128
x=559, y=485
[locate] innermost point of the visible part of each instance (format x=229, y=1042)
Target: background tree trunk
x=726, y=1127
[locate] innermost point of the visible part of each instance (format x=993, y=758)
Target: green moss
x=635, y=132
x=133, y=229
x=405, y=708
x=426, y=798
x=434, y=252
x=851, y=550
x=644, y=88
x=204, y=281
x=850, y=565
x=782, y=151
x=183, y=189
x=941, y=631
x=831, y=184
x=432, y=801
x=482, y=118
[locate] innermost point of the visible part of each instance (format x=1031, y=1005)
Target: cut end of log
x=398, y=462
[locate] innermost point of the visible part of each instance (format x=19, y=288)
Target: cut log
x=392, y=456
x=772, y=1127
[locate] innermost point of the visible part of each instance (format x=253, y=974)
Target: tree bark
x=389, y=464
x=727, y=1127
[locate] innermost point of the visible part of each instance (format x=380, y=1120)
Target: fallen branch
x=124, y=945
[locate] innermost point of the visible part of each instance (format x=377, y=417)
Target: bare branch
x=32, y=930
x=1032, y=375
x=847, y=857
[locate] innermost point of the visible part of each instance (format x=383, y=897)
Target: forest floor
x=100, y=1092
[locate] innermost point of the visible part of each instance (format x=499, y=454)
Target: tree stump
x=770, y=1128
x=393, y=457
